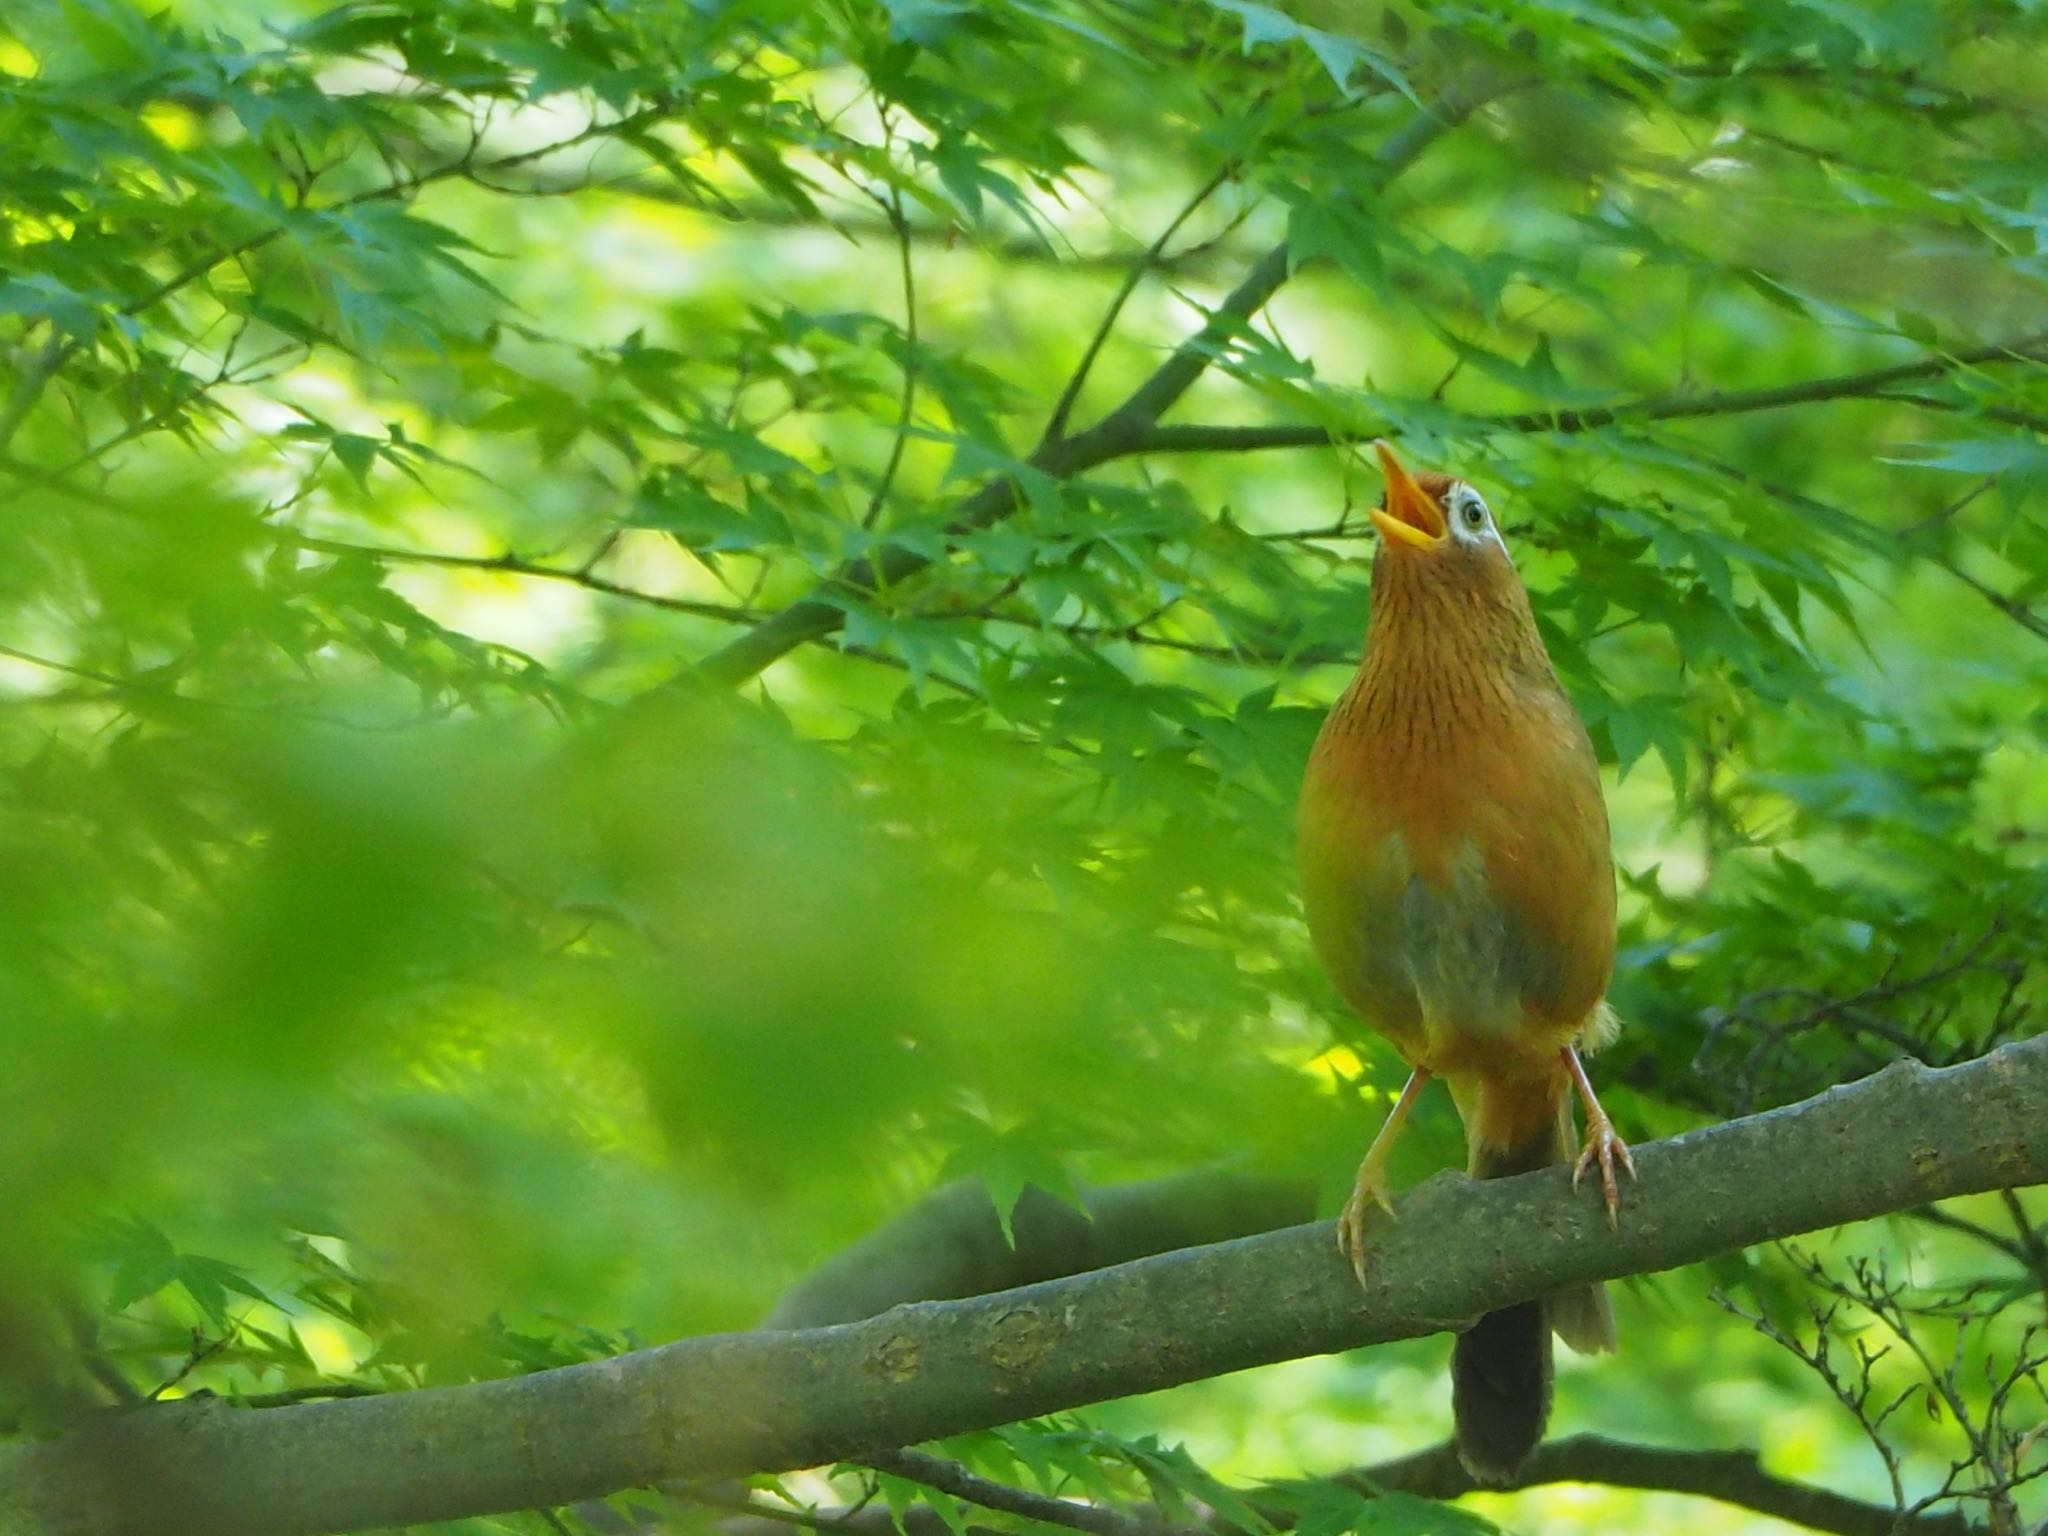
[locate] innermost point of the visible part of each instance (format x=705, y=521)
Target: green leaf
x=144, y=1263
x=1007, y=1163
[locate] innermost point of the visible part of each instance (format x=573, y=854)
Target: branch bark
x=768, y=1401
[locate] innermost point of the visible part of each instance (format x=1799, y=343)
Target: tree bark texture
x=768, y=1401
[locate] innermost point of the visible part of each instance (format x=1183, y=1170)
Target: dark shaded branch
x=950, y=1243
x=1732, y=1477
x=2028, y=1239
x=950, y=1477
x=768, y=1401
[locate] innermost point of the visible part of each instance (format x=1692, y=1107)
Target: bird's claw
x=1368, y=1191
x=1605, y=1148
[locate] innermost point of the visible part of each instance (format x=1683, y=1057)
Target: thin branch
x=1873, y=538
x=1869, y=384
x=2019, y=612
x=1935, y=1216
x=317, y=1392
x=2002, y=414
x=2033, y=1249
x=514, y=565
x=950, y=1477
x=1056, y=424
x=50, y=664
x=1949, y=509
x=1732, y=1477
x=859, y=229
x=897, y=222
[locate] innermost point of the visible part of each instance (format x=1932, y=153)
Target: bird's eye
x=1473, y=511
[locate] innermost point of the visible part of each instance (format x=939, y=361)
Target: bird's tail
x=1500, y=1367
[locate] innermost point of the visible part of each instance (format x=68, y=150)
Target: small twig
x=1935, y=1216
x=1943, y=514
x=2033, y=1250
x=514, y=565
x=317, y=1392
x=1056, y=423
x=950, y=1477
x=202, y=1350
x=894, y=208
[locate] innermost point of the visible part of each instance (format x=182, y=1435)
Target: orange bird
x=1459, y=888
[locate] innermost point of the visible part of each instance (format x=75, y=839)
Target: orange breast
x=1455, y=864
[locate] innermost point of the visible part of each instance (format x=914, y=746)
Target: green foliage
x=413, y=971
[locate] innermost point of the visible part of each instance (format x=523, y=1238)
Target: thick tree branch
x=766, y=1401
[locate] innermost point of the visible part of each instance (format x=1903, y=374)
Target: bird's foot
x=1370, y=1190
x=1605, y=1148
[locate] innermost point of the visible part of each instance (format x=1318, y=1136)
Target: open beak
x=1411, y=515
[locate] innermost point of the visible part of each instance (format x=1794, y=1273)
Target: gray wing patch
x=1466, y=962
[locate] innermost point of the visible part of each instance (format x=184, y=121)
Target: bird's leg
x=1371, y=1187
x=1603, y=1146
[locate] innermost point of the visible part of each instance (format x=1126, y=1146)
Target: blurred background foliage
x=413, y=968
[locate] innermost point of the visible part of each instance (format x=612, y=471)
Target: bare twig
x=893, y=208
x=950, y=1477
x=1056, y=423
x=514, y=565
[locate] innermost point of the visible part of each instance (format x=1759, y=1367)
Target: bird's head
x=1438, y=526
x=1442, y=578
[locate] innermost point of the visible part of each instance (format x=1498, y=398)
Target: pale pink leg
x=1371, y=1188
x=1603, y=1146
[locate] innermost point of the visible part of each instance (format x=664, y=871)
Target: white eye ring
x=1471, y=509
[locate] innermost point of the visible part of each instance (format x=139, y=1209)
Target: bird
x=1458, y=885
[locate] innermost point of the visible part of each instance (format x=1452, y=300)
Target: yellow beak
x=1411, y=515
